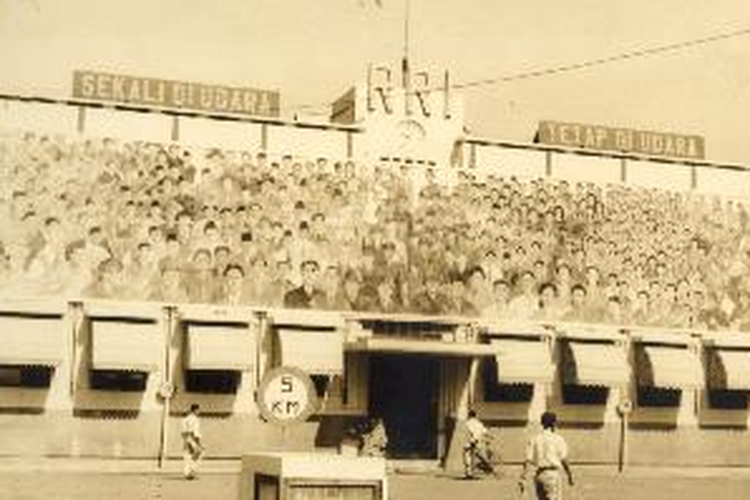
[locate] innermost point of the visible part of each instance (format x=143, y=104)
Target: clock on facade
x=410, y=133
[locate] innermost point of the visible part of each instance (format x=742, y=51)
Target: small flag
x=379, y=3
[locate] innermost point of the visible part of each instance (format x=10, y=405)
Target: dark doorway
x=404, y=393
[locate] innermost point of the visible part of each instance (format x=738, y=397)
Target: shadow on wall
x=332, y=430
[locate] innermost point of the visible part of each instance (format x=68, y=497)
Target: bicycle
x=481, y=457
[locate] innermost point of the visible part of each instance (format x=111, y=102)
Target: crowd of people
x=145, y=221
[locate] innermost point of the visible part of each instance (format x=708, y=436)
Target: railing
x=728, y=179
x=382, y=324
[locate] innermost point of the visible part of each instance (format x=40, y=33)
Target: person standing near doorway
x=192, y=441
x=375, y=439
x=547, y=455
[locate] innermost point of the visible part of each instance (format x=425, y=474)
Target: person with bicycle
x=477, y=454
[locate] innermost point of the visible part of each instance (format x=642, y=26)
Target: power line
x=624, y=56
x=582, y=65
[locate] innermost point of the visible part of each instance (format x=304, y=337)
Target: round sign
x=166, y=390
x=625, y=407
x=411, y=133
x=286, y=395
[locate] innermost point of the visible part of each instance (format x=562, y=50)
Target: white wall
x=127, y=125
x=220, y=134
x=307, y=143
x=38, y=117
x=581, y=168
x=529, y=163
x=506, y=162
x=659, y=175
x=730, y=183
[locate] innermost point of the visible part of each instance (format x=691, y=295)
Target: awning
x=729, y=369
x=32, y=340
x=597, y=364
x=220, y=347
x=523, y=361
x=314, y=351
x=668, y=367
x=126, y=345
x=731, y=340
x=311, y=318
x=427, y=347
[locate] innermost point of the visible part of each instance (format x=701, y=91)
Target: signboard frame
x=114, y=88
x=294, y=487
x=593, y=137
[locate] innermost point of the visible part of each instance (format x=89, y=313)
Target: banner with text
x=175, y=94
x=597, y=137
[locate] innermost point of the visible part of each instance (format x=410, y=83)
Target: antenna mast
x=406, y=72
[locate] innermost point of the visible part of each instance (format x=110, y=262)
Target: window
x=35, y=377
x=266, y=487
x=329, y=387
x=213, y=381
x=116, y=380
x=727, y=399
x=299, y=491
x=728, y=374
x=496, y=391
x=659, y=397
x=321, y=383
x=584, y=394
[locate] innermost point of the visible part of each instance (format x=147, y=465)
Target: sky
x=313, y=50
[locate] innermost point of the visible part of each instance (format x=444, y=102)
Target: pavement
x=95, y=479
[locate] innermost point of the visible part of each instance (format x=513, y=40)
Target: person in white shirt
x=498, y=307
x=547, y=455
x=375, y=440
x=524, y=306
x=192, y=440
x=476, y=450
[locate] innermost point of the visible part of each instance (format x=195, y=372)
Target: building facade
x=85, y=377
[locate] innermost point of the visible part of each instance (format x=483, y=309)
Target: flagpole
x=407, y=19
x=406, y=75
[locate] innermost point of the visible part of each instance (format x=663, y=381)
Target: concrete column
x=175, y=133
x=264, y=137
x=349, y=144
x=548, y=163
x=81, y=123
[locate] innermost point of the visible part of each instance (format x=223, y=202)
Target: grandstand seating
x=163, y=222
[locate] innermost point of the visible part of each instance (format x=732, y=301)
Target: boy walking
x=192, y=450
